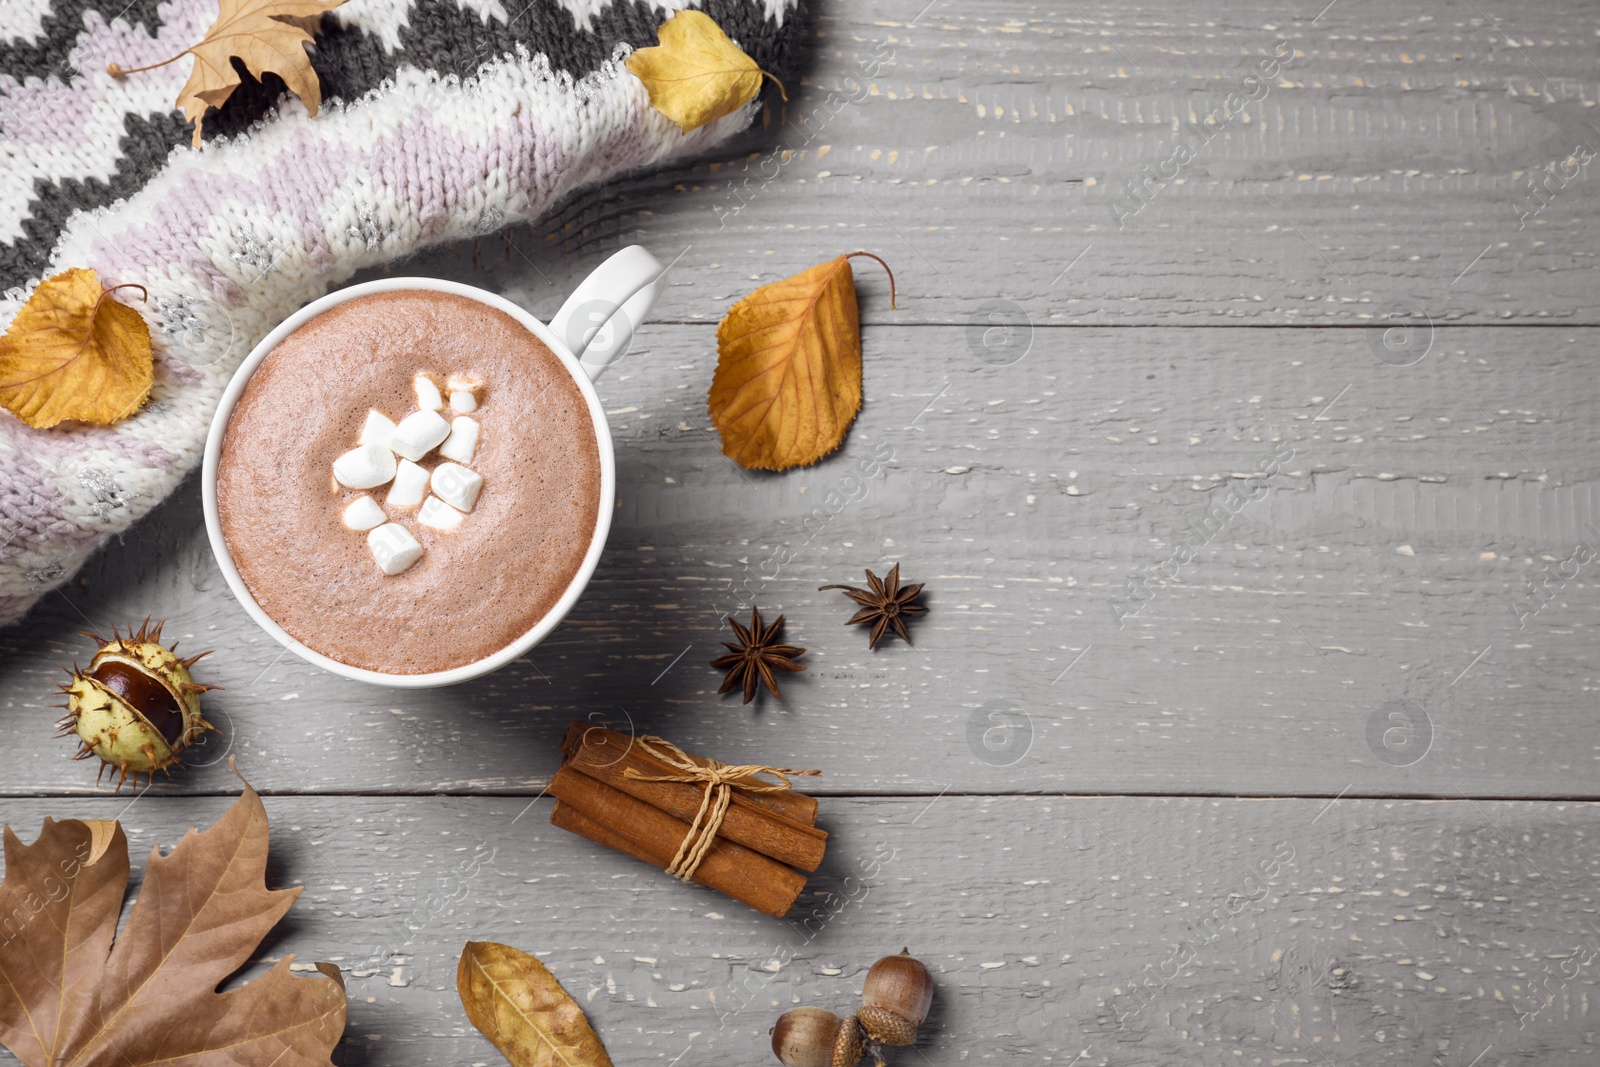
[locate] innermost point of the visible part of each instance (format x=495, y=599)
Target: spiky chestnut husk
x=136, y=707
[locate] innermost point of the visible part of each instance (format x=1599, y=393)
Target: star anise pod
x=884, y=605
x=756, y=656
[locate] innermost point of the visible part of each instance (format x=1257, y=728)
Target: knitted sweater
x=441, y=120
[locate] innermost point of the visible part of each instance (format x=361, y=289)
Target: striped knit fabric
x=441, y=120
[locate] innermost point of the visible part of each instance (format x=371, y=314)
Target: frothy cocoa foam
x=483, y=579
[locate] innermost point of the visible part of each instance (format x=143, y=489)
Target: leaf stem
x=117, y=72
x=781, y=91
x=144, y=294
x=886, y=270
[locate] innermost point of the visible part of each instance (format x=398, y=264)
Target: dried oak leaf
x=788, y=378
x=74, y=999
x=258, y=33
x=697, y=74
x=73, y=352
x=518, y=1004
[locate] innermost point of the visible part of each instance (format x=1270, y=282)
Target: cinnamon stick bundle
x=754, y=820
x=616, y=745
x=738, y=830
x=612, y=818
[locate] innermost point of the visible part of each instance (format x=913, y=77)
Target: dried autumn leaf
x=74, y=999
x=788, y=378
x=258, y=33
x=518, y=1004
x=72, y=352
x=697, y=74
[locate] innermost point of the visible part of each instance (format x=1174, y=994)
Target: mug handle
x=598, y=319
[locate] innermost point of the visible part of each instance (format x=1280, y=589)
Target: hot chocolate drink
x=409, y=482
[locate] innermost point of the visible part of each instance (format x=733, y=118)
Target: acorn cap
x=849, y=1044
x=884, y=1027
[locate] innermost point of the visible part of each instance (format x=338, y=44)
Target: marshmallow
x=464, y=392
x=366, y=467
x=456, y=485
x=439, y=515
x=378, y=430
x=463, y=440
x=418, y=434
x=394, y=548
x=428, y=398
x=410, y=485
x=364, y=513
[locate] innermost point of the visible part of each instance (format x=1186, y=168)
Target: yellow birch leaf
x=516, y=1003
x=697, y=74
x=257, y=33
x=73, y=352
x=788, y=378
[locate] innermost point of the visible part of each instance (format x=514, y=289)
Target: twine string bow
x=721, y=780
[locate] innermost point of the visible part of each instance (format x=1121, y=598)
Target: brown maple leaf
x=74, y=999
x=261, y=35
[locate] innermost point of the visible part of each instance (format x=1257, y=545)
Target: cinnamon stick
x=796, y=807
x=607, y=756
x=566, y=817
x=612, y=818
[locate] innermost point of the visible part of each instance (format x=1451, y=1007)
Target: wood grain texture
x=1127, y=930
x=1272, y=477
x=982, y=148
x=1049, y=505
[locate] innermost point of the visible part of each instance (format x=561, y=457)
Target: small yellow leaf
x=74, y=352
x=518, y=1004
x=788, y=378
x=696, y=74
x=254, y=31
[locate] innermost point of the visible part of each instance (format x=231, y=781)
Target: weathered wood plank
x=1102, y=620
x=983, y=148
x=1405, y=608
x=1127, y=931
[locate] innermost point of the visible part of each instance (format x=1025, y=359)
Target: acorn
x=816, y=1037
x=895, y=998
x=136, y=707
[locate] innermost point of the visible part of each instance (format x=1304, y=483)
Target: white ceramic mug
x=591, y=331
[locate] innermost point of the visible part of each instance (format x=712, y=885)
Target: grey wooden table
x=1243, y=429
